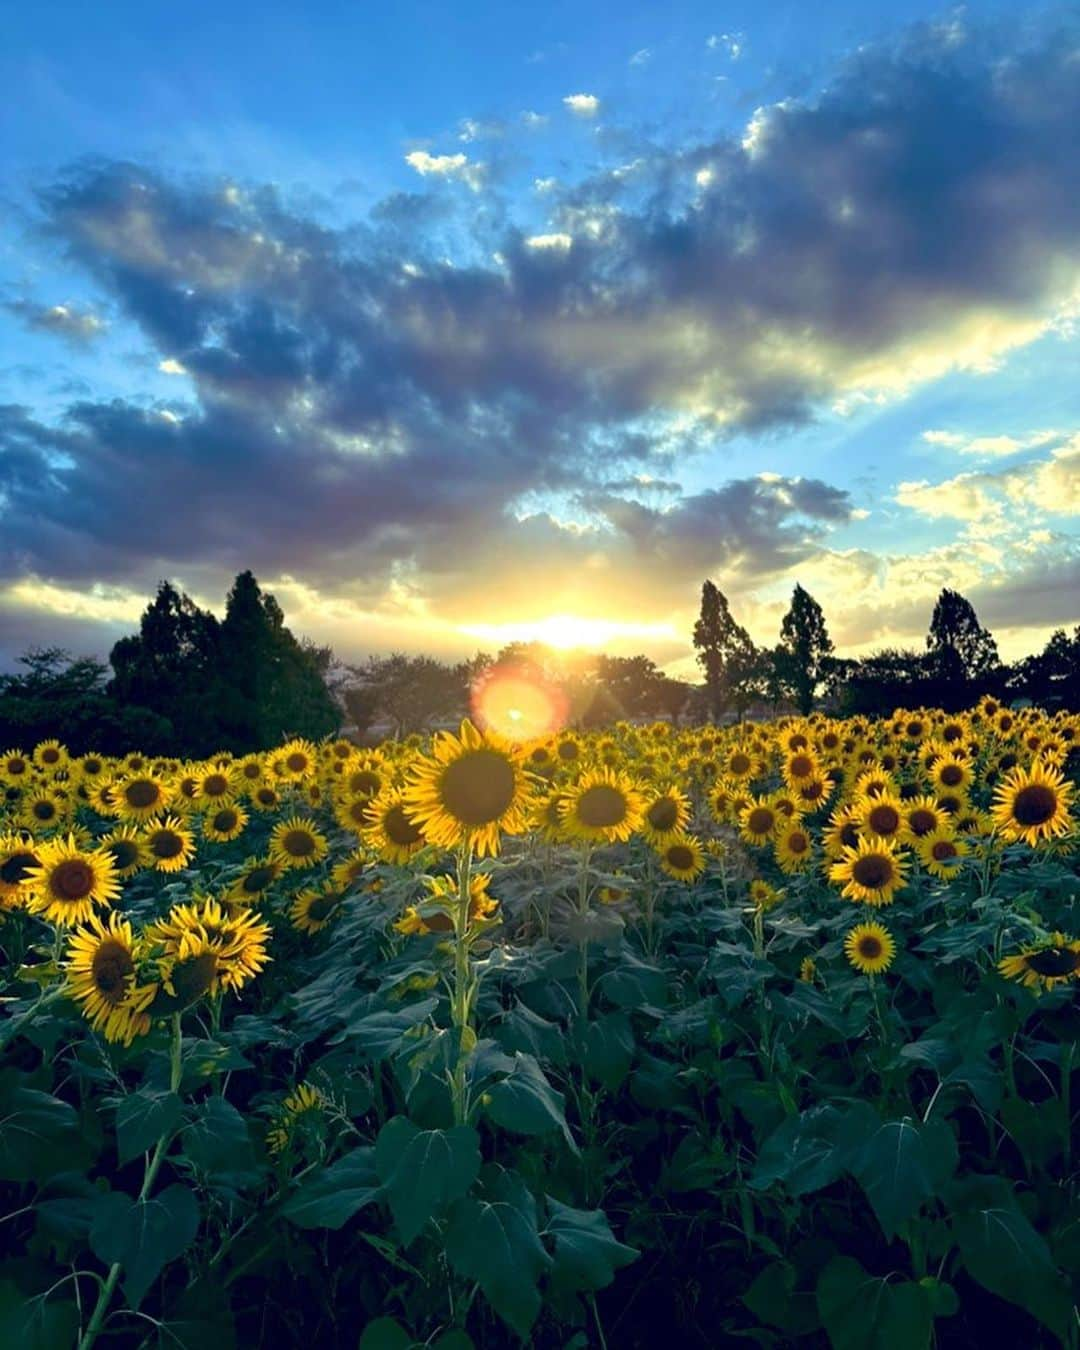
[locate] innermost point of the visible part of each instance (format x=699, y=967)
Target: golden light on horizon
x=565, y=632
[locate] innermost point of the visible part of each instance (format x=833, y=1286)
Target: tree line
x=960, y=662
x=188, y=684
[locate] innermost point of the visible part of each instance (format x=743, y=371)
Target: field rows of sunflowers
x=707, y=1036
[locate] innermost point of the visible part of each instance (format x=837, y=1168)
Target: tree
x=408, y=690
x=1052, y=677
x=961, y=648
x=806, y=641
x=725, y=653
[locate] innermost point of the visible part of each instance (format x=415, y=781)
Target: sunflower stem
x=108, y=1288
x=583, y=938
x=462, y=1001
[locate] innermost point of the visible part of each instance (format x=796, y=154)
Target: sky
x=465, y=324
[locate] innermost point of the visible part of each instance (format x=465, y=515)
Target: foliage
x=805, y=641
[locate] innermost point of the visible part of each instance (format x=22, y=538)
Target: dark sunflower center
x=166, y=844
x=357, y=811
x=258, y=879
x=797, y=842
x=943, y=850
x=740, y=763
x=849, y=834
x=191, y=979
x=141, y=793
x=801, y=766
x=215, y=785
x=663, y=814
x=830, y=740
x=266, y=796
x=365, y=782
x=50, y=756
x=760, y=820
x=1054, y=961
x=478, y=788
x=323, y=907
x=44, y=810
x=15, y=869
x=810, y=792
x=914, y=729
x=798, y=742
x=601, y=806
x=680, y=857
x=870, y=948
x=921, y=821
x=872, y=871
x=251, y=771
x=952, y=733
x=1007, y=761
x=539, y=755
x=400, y=829
x=1035, y=804
x=123, y=852
x=568, y=751
x=884, y=819
x=110, y=967
x=296, y=762
x=952, y=775
x=71, y=880
x=16, y=766
x=225, y=821
x=298, y=843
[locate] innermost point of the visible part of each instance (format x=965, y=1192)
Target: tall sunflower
x=793, y=846
x=256, y=877
x=101, y=978
x=19, y=856
x=127, y=848
x=758, y=821
x=390, y=829
x=469, y=791
x=871, y=872
x=315, y=907
x=667, y=812
x=941, y=853
x=870, y=948
x=1033, y=804
x=141, y=796
x=170, y=844
x=70, y=881
x=682, y=857
x=224, y=823
x=295, y=842
x=603, y=806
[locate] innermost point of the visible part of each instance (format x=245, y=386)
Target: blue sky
x=467, y=323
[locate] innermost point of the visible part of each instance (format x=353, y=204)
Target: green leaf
x=587, y=1253
x=385, y=1333
x=803, y=1153
x=526, y=1102
x=496, y=1244
x=142, y=1118
x=37, y=1132
x=330, y=1199
x=1006, y=1255
x=424, y=1170
x=377, y=1035
x=218, y=1145
x=35, y=1323
x=143, y=1235
x=609, y=1049
x=901, y=1166
x=864, y=1312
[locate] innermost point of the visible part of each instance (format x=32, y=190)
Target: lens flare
x=518, y=703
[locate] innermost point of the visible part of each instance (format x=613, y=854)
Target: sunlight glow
x=566, y=631
x=518, y=703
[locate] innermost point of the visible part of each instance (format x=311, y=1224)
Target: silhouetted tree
x=1052, y=677
x=806, y=641
x=961, y=648
x=409, y=691
x=725, y=653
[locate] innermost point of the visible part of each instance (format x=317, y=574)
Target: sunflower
x=870, y=948
x=812, y=794
x=249, y=772
x=315, y=907
x=874, y=782
x=951, y=775
x=295, y=842
x=224, y=823
x=169, y=844
x=390, y=830
x=740, y=765
x=922, y=816
x=841, y=832
x=763, y=895
x=882, y=817
x=50, y=755
x=363, y=780
x=296, y=760
x=19, y=855
x=667, y=813
x=302, y=1106
x=265, y=798
x=941, y=852
x=100, y=966
x=1033, y=804
x=217, y=786
x=808, y=970
x=256, y=877
x=353, y=813
x=127, y=848
x=793, y=846
x=43, y=809
x=140, y=796
x=682, y=857
x=800, y=767
x=758, y=821
x=436, y=913
x=471, y=789
x=351, y=869
x=15, y=767
x=236, y=940
x=1053, y=961
x=871, y=872
x=603, y=806
x=69, y=882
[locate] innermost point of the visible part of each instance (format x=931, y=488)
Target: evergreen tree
x=725, y=653
x=807, y=644
x=961, y=648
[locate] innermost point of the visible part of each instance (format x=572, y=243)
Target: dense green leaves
x=525, y=1101
x=587, y=1254
x=421, y=1171
x=330, y=1199
x=36, y=1131
x=142, y=1236
x=863, y=1312
x=142, y=1118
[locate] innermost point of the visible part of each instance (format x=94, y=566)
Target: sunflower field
x=764, y=1035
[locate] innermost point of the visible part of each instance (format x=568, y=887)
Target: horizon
x=529, y=342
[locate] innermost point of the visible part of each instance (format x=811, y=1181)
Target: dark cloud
x=361, y=406
x=66, y=321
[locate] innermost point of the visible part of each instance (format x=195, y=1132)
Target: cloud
x=989, y=447
x=1050, y=486
x=582, y=105
x=729, y=44
x=641, y=57
x=548, y=241
x=67, y=321
x=451, y=167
